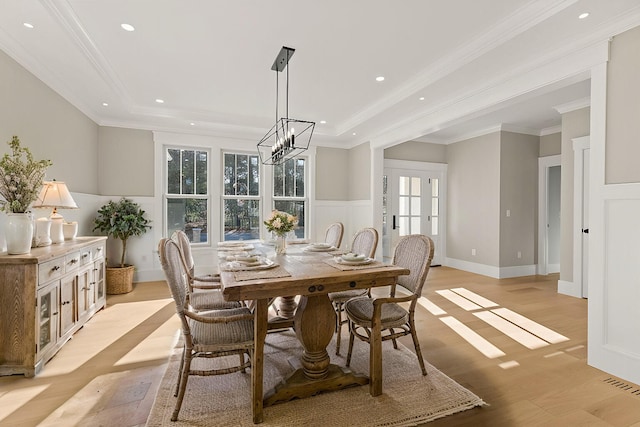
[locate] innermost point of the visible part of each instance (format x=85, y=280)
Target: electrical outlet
x=473, y=252
x=519, y=254
x=508, y=213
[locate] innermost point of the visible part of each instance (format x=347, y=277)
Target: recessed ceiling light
x=380, y=78
x=421, y=98
x=192, y=124
x=128, y=27
x=160, y=101
x=354, y=134
x=322, y=122
x=28, y=25
x=104, y=104
x=583, y=15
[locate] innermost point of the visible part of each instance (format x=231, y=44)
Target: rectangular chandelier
x=288, y=137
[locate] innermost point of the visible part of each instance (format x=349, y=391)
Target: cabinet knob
x=320, y=288
x=55, y=268
x=352, y=284
x=312, y=288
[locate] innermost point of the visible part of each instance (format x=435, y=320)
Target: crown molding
x=573, y=105
x=520, y=21
x=551, y=130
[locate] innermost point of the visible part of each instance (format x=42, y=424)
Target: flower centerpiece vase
x=281, y=244
x=19, y=233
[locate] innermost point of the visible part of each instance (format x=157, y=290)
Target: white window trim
x=217, y=145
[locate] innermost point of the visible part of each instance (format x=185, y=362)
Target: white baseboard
x=569, y=288
x=491, y=270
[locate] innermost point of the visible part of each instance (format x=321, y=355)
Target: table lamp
x=55, y=194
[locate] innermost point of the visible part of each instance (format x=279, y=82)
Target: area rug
x=408, y=398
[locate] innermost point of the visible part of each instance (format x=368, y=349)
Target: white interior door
x=413, y=200
x=585, y=222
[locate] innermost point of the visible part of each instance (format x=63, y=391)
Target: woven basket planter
x=120, y=279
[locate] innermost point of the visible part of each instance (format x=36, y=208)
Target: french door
x=414, y=204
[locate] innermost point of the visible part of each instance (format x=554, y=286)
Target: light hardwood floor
x=108, y=373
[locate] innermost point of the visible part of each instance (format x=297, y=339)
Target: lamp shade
x=55, y=194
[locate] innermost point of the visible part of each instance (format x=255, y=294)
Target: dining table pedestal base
x=314, y=323
x=299, y=386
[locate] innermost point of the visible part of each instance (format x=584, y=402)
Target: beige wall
x=332, y=173
x=473, y=205
x=622, y=151
x=574, y=124
x=519, y=195
x=551, y=145
x=126, y=162
x=359, y=172
x=417, y=151
x=49, y=126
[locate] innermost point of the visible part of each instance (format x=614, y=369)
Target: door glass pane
x=415, y=225
x=404, y=186
x=434, y=187
x=415, y=186
x=415, y=206
x=404, y=226
x=434, y=206
x=434, y=226
x=45, y=320
x=403, y=207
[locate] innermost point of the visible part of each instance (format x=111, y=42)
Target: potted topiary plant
x=121, y=220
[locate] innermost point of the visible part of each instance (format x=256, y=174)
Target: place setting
x=234, y=246
x=352, y=261
x=320, y=247
x=252, y=267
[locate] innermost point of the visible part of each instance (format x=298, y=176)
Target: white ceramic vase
x=19, y=233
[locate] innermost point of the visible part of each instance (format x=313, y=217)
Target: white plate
x=353, y=257
x=242, y=247
x=365, y=261
x=239, y=266
x=317, y=249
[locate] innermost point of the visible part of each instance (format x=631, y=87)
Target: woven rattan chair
x=374, y=320
x=206, y=334
x=334, y=234
x=364, y=242
x=204, y=291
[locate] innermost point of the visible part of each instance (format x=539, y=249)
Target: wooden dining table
x=311, y=276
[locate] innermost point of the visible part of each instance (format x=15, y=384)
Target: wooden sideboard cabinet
x=45, y=297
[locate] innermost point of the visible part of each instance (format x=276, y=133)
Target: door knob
x=585, y=230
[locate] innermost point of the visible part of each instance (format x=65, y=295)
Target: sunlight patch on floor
x=109, y=325
x=514, y=332
x=458, y=300
x=531, y=326
x=157, y=345
x=472, y=337
x=472, y=296
x=14, y=399
x=431, y=307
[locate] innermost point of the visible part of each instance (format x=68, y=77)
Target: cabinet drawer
x=97, y=252
x=50, y=270
x=71, y=261
x=86, y=256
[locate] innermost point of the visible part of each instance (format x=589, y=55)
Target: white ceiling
x=210, y=61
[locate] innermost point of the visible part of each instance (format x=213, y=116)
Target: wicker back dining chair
x=365, y=242
x=334, y=234
x=374, y=320
x=206, y=334
x=204, y=291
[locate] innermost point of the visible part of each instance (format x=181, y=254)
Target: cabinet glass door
x=47, y=317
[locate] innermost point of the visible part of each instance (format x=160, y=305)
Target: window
x=241, y=196
x=186, y=193
x=289, y=191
